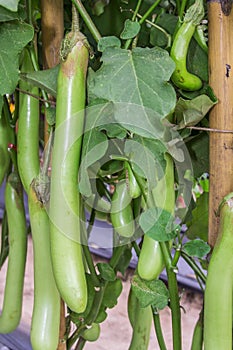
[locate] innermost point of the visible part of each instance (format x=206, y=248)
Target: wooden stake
x=52, y=24
x=221, y=116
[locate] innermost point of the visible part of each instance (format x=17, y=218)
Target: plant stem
x=176, y=256
x=90, y=265
x=96, y=304
x=80, y=344
x=92, y=217
x=116, y=256
x=174, y=297
x=149, y=11
x=142, y=20
x=128, y=42
x=87, y=19
x=148, y=198
x=136, y=10
x=182, y=9
x=178, y=6
x=75, y=19
x=159, y=28
x=73, y=338
x=194, y=266
x=158, y=329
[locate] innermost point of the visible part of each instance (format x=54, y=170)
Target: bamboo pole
x=52, y=24
x=221, y=116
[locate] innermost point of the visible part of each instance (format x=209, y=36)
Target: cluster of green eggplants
x=58, y=260
x=58, y=263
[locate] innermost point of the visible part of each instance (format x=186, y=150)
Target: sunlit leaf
x=138, y=77
x=196, y=248
x=11, y=5
x=150, y=292
x=158, y=224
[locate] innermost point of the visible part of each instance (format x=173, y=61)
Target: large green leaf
x=106, y=271
x=196, y=248
x=150, y=292
x=7, y=15
x=191, y=112
x=11, y=5
x=108, y=41
x=112, y=293
x=44, y=79
x=158, y=224
x=13, y=37
x=138, y=77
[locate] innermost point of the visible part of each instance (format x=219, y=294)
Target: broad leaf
x=44, y=79
x=131, y=29
x=158, y=224
x=191, y=112
x=196, y=248
x=110, y=116
x=112, y=293
x=7, y=15
x=124, y=261
x=102, y=315
x=108, y=41
x=138, y=77
x=106, y=272
x=11, y=5
x=198, y=226
x=18, y=34
x=150, y=292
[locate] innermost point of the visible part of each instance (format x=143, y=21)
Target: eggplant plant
x=117, y=131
